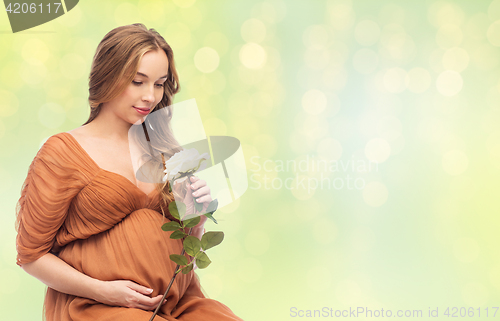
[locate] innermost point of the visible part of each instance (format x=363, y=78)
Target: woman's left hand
x=197, y=188
x=200, y=191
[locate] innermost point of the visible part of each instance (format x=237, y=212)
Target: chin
x=140, y=120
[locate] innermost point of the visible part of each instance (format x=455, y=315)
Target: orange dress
x=104, y=226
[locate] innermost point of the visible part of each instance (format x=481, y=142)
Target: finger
x=197, y=184
x=157, y=299
x=164, y=301
x=139, y=288
x=149, y=302
x=202, y=191
x=147, y=307
x=151, y=306
x=192, y=180
x=204, y=199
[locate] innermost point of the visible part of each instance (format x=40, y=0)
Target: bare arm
x=62, y=277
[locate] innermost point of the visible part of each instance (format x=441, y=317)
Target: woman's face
x=144, y=92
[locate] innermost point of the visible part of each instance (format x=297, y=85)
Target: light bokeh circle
x=315, y=37
x=252, y=55
x=314, y=102
x=206, y=59
x=377, y=149
x=456, y=59
x=449, y=35
x=35, y=51
x=493, y=33
x=449, y=83
x=253, y=30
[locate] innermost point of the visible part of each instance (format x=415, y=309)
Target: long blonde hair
x=114, y=66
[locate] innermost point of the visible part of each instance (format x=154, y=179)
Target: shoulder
x=59, y=149
x=70, y=139
x=56, y=143
x=57, y=162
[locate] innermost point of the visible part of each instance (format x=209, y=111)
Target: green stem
x=177, y=270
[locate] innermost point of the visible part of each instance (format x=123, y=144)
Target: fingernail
x=150, y=290
x=192, y=186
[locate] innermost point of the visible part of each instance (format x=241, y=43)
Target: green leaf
x=187, y=268
x=177, y=235
x=181, y=207
x=172, y=208
x=192, y=245
x=202, y=260
x=209, y=215
x=192, y=222
x=212, y=207
x=211, y=239
x=171, y=226
x=198, y=206
x=179, y=259
x=188, y=217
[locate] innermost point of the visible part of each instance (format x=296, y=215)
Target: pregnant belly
x=135, y=249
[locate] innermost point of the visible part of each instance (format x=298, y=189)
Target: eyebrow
x=144, y=75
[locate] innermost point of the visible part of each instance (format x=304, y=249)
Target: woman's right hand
x=127, y=294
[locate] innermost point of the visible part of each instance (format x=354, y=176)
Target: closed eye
x=138, y=83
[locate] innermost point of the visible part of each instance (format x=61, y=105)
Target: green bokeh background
x=412, y=86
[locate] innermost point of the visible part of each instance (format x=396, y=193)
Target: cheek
x=159, y=96
x=130, y=94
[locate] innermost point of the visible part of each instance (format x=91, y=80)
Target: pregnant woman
x=90, y=230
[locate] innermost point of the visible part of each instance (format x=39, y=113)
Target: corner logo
x=26, y=15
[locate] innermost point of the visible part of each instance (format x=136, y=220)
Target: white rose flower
x=182, y=162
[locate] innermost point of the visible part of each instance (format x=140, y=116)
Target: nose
x=148, y=94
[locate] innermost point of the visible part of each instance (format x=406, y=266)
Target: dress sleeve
x=46, y=195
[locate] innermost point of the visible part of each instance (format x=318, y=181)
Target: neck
x=107, y=125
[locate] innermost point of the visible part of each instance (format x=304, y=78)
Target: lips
x=142, y=110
